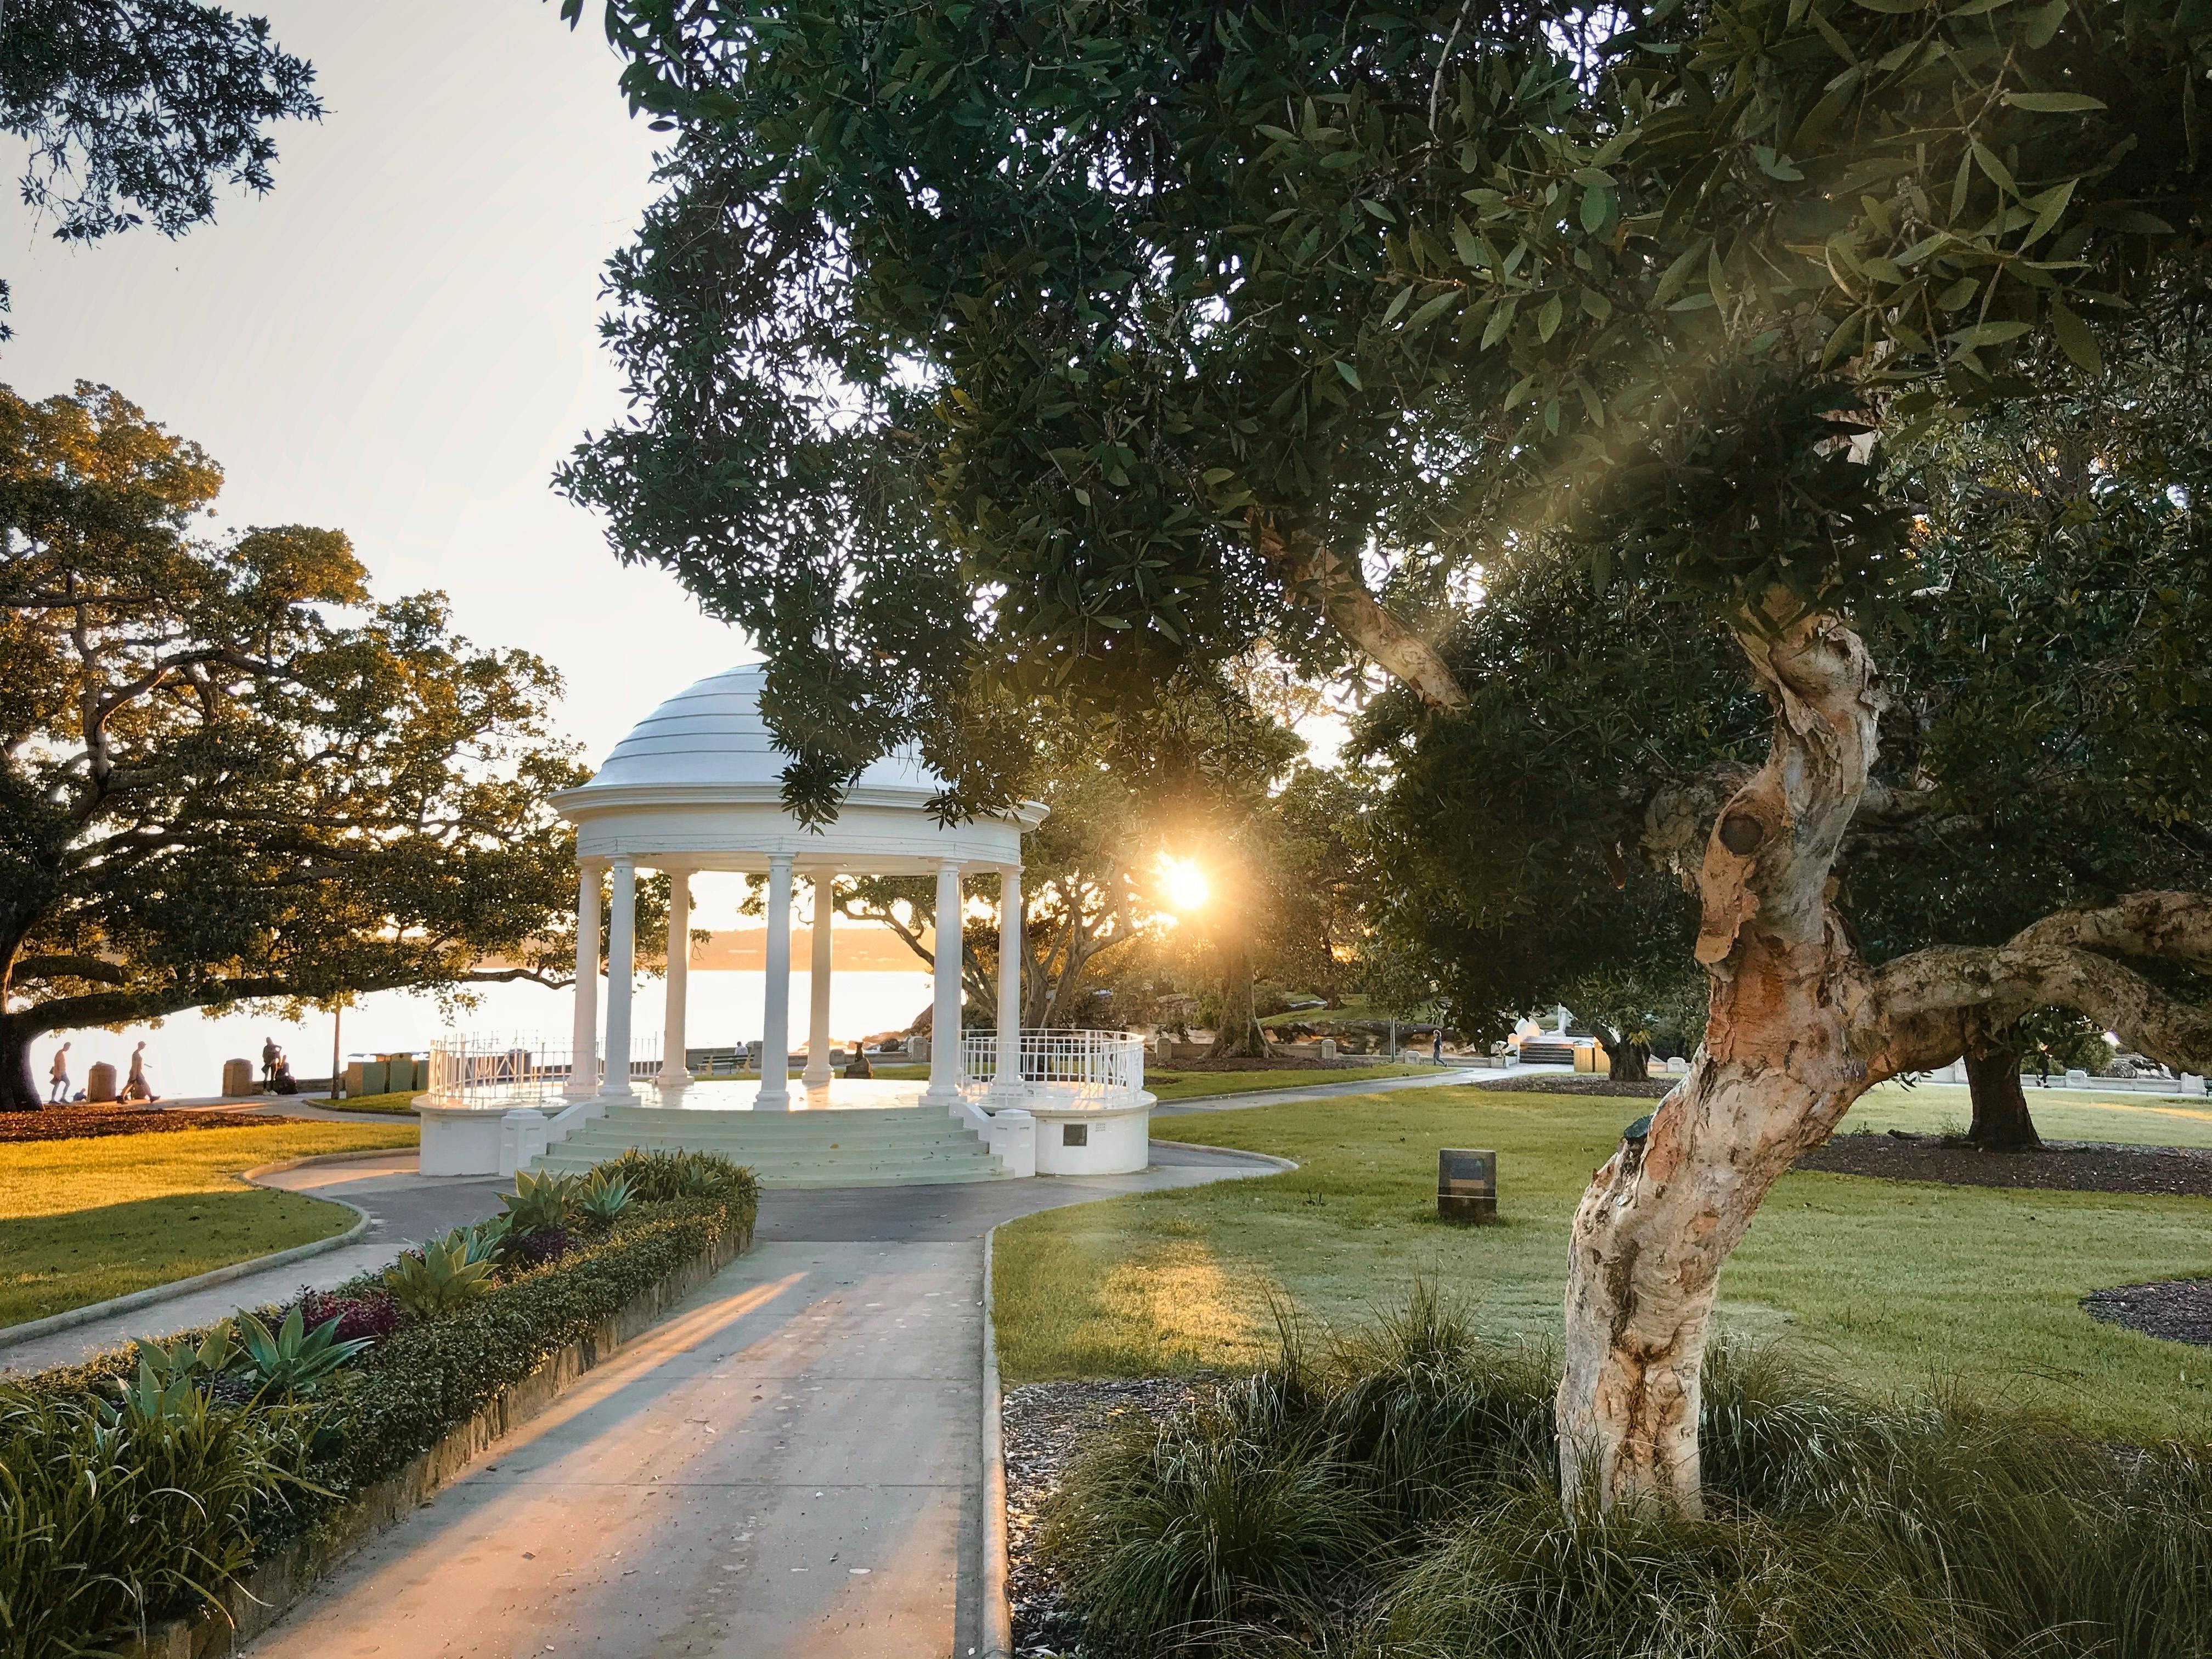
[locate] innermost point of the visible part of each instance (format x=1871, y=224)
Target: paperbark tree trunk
x=1241, y=1036
x=1775, y=1072
x=1630, y=1061
x=2002, y=1123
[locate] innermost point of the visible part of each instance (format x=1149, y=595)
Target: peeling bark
x=1778, y=1068
x=1317, y=575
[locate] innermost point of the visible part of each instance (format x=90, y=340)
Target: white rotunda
x=698, y=786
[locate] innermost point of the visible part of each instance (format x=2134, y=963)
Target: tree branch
x=1316, y=576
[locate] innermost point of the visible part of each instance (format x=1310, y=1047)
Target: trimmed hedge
x=425, y=1379
x=402, y=1397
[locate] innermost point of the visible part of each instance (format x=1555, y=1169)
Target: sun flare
x=1184, y=883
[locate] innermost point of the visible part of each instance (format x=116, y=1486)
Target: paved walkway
x=788, y=1466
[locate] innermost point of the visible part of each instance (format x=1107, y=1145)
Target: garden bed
x=1045, y=1426
x=2171, y=1309
x=2065, y=1166
x=1579, y=1082
x=88, y=1122
x=289, y=1476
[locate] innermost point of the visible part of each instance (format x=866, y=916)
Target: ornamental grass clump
x=1397, y=1495
x=116, y=1511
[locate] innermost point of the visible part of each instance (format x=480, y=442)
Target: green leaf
x=1398, y=304
x=1999, y=174
x=1985, y=334
x=1520, y=388
x=1893, y=6
x=2076, y=339
x=1597, y=208
x=2054, y=103
x=1951, y=298
x=1350, y=374
x=1677, y=276
x=2044, y=24
x=1471, y=252
x=1500, y=320
x=1547, y=319
x=1432, y=309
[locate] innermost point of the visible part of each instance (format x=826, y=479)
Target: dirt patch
x=1561, y=1083
x=1046, y=1424
x=2076, y=1166
x=84, y=1123
x=2174, y=1310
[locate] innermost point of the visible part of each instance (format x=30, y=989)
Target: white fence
x=1096, y=1066
x=484, y=1068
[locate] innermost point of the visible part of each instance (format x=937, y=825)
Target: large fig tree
x=1058, y=345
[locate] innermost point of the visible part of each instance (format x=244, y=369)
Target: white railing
x=484, y=1068
x=1098, y=1067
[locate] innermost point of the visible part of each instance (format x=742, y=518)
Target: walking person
x=135, y=1087
x=59, y=1076
x=1437, y=1047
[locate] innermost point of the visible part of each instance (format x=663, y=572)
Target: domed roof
x=713, y=736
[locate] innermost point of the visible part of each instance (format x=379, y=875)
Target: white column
x=674, y=1074
x=775, y=1018
x=622, y=974
x=816, y=1074
x=583, y=1031
x=945, y=1058
x=1009, y=1080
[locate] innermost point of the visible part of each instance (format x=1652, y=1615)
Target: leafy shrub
x=114, y=1512
x=438, y=1279
x=524, y=1251
x=370, y=1317
x=656, y=1177
x=1399, y=1497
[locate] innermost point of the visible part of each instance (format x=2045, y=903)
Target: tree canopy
x=227, y=774
x=136, y=110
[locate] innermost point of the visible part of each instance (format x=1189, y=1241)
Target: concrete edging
x=69, y=1318
x=998, y=1617
x=1230, y=1151
x=269, y=1589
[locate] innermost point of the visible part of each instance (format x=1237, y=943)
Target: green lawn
x=1898, y=1285
x=400, y=1104
x=2148, y=1120
x=1171, y=1084
x=83, y=1220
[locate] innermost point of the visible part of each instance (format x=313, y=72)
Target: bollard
x=1466, y=1186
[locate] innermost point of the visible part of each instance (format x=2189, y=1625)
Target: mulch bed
x=83, y=1122
x=2176, y=1310
x=1559, y=1083
x=1045, y=1426
x=1276, y=1063
x=2076, y=1166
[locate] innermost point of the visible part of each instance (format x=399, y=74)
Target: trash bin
x=239, y=1078
x=100, y=1082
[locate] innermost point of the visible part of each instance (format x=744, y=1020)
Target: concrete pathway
x=788, y=1465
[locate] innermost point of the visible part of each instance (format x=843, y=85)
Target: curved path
x=788, y=1465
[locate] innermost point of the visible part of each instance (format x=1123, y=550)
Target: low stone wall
x=251, y=1604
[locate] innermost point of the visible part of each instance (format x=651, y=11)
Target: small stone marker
x=2078, y=1079
x=1466, y=1186
x=1328, y=1050
x=100, y=1082
x=239, y=1078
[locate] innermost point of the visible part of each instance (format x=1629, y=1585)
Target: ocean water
x=184, y=1052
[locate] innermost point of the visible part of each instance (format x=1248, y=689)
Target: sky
x=399, y=340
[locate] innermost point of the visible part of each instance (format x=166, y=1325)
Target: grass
x=1171, y=1084
x=1890, y=1284
x=84, y=1220
x=400, y=1104
x=2143, y=1119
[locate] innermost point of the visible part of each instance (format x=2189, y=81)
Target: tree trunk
x=1240, y=1035
x=19, y=1090
x=1630, y=1061
x=1775, y=1072
x=2002, y=1123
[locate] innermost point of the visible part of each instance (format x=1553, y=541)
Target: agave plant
x=540, y=1201
x=480, y=1242
x=442, y=1278
x=605, y=1198
x=292, y=1359
x=182, y=1362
